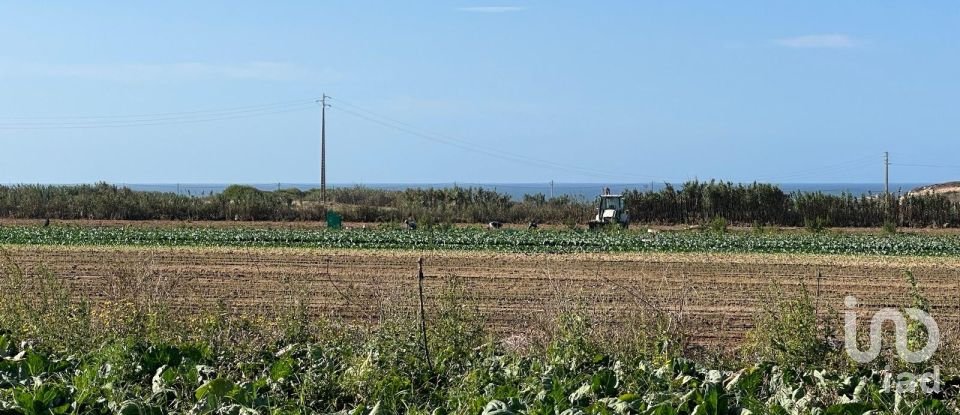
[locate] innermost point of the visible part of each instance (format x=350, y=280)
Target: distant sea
x=585, y=191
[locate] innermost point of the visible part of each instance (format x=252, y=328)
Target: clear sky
x=486, y=91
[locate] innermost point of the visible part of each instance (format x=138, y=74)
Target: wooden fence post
x=423, y=317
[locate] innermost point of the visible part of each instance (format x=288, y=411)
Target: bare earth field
x=717, y=294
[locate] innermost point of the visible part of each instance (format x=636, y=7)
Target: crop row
x=502, y=241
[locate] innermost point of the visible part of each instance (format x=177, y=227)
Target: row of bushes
x=108, y=202
x=692, y=203
x=766, y=204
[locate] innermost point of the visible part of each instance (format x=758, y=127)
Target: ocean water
x=585, y=191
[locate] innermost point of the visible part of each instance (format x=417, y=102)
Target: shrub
x=789, y=332
x=815, y=225
x=693, y=203
x=889, y=227
x=718, y=225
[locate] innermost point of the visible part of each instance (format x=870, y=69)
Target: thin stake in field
x=423, y=317
x=336, y=288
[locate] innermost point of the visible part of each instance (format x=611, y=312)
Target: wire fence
x=717, y=300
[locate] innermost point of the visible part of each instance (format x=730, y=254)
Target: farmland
x=477, y=239
x=516, y=276
x=720, y=291
x=275, y=330
x=248, y=319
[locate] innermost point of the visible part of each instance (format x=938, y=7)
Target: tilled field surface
x=717, y=295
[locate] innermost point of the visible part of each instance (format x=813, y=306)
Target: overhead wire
x=401, y=126
x=251, y=111
x=935, y=166
x=845, y=166
x=187, y=117
x=850, y=165
x=163, y=114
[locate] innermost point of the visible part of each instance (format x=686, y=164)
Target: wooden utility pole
x=886, y=173
x=323, y=149
x=887, y=198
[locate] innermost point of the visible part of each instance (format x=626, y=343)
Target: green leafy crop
x=504, y=241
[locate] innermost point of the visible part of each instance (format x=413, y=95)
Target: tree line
x=692, y=203
x=766, y=204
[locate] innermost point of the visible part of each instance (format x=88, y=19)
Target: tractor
x=610, y=210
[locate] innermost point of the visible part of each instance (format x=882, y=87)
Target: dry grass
x=709, y=300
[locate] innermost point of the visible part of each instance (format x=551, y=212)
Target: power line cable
x=165, y=114
x=845, y=166
x=152, y=122
x=825, y=172
x=250, y=111
x=860, y=162
x=936, y=166
x=490, y=153
x=471, y=147
x=402, y=127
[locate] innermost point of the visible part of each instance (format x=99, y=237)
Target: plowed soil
x=718, y=295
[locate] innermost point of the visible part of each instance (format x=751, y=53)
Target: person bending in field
x=411, y=224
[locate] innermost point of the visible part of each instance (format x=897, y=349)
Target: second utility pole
x=323, y=150
x=886, y=173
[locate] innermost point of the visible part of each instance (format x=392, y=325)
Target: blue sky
x=504, y=91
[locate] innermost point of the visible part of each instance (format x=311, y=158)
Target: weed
x=889, y=227
x=815, y=225
x=790, y=332
x=718, y=225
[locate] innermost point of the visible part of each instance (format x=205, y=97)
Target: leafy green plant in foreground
x=383, y=373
